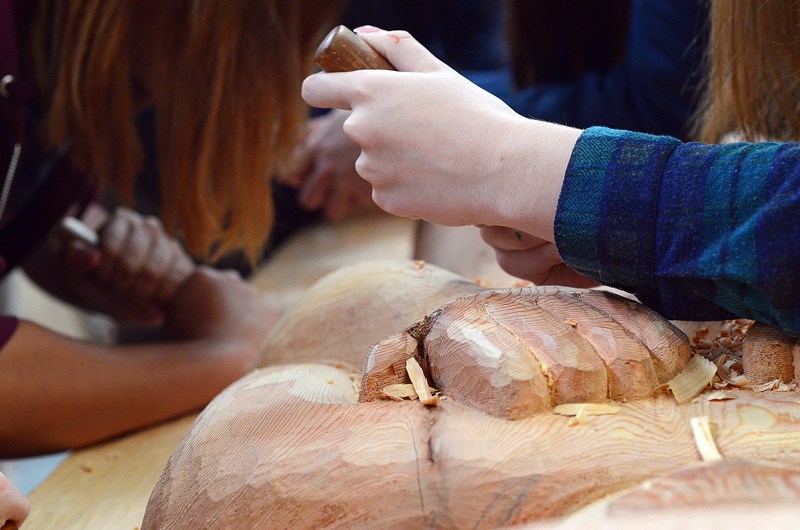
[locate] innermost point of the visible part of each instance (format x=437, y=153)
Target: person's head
x=224, y=78
x=753, y=83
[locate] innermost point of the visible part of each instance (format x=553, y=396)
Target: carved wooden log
x=296, y=446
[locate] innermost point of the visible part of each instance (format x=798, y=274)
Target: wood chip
x=585, y=409
x=579, y=419
x=776, y=385
x=704, y=439
x=571, y=322
x=399, y=392
x=419, y=381
x=720, y=395
x=696, y=375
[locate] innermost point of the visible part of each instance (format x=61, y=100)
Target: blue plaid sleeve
x=698, y=232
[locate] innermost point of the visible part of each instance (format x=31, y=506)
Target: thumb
x=401, y=49
x=82, y=257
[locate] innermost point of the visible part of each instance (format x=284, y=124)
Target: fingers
x=113, y=237
x=294, y=172
x=503, y=238
x=149, y=274
x=316, y=187
x=179, y=269
x=329, y=91
x=401, y=49
x=139, y=245
x=14, y=507
x=81, y=257
x=347, y=196
x=532, y=264
x=139, y=261
x=345, y=90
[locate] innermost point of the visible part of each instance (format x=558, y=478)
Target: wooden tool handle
x=344, y=51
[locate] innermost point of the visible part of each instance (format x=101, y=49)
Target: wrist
x=539, y=154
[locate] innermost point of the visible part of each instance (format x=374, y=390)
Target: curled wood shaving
x=704, y=439
x=730, y=370
x=775, y=385
x=696, y=375
x=419, y=382
x=585, y=409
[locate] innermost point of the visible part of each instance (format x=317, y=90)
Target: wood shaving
x=401, y=391
x=585, y=409
x=704, y=439
x=775, y=385
x=419, y=264
x=420, y=383
x=696, y=376
x=571, y=322
x=730, y=370
x=720, y=395
x=579, y=419
x=730, y=335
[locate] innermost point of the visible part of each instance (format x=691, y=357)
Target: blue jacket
x=697, y=232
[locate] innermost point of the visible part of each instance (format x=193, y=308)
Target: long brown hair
x=753, y=80
x=226, y=90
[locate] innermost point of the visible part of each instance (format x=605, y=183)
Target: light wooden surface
x=106, y=487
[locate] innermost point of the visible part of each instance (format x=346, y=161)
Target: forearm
x=59, y=393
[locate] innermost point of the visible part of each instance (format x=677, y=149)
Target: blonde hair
x=753, y=78
x=228, y=105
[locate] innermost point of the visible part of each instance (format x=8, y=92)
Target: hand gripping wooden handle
x=344, y=51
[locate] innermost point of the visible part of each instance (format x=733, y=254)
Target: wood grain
x=106, y=487
x=767, y=355
x=287, y=447
x=344, y=51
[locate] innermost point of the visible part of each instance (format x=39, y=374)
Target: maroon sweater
x=36, y=188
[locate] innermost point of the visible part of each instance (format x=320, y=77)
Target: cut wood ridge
x=522, y=404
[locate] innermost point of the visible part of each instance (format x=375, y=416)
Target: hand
x=135, y=271
x=14, y=507
x=324, y=169
x=221, y=306
x=525, y=256
x=435, y=146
